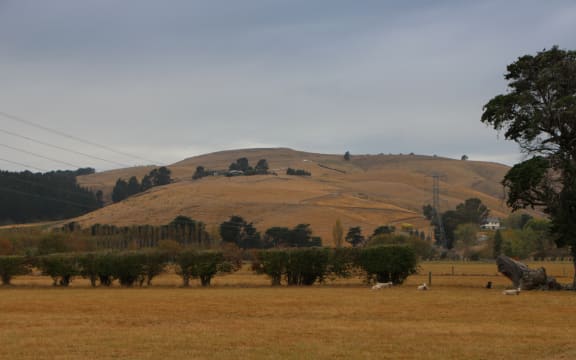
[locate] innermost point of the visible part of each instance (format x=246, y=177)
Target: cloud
x=190, y=76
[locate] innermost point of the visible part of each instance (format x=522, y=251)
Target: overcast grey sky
x=166, y=80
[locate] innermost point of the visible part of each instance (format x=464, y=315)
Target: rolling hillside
x=367, y=191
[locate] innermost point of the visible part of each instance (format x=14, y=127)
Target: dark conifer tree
x=120, y=191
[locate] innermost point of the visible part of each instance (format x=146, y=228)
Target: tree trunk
x=574, y=280
x=574, y=262
x=205, y=280
x=276, y=279
x=185, y=280
x=525, y=278
x=6, y=279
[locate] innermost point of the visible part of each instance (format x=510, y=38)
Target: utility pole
x=436, y=206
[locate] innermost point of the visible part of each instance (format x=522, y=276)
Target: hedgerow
x=201, y=264
x=388, y=263
x=294, y=266
x=13, y=265
x=62, y=268
x=305, y=266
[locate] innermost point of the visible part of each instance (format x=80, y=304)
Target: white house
x=491, y=224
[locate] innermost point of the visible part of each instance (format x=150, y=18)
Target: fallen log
x=525, y=278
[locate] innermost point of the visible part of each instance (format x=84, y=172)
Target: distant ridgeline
x=28, y=197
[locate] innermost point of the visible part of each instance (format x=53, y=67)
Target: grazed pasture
x=242, y=317
x=374, y=190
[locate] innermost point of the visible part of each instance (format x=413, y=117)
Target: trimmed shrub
x=208, y=263
x=388, y=263
x=153, y=262
x=11, y=266
x=272, y=263
x=300, y=266
x=233, y=255
x=128, y=268
x=184, y=262
x=97, y=267
x=307, y=265
x=60, y=267
x=88, y=267
x=203, y=265
x=343, y=262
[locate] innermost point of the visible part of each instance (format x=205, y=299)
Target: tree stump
x=525, y=278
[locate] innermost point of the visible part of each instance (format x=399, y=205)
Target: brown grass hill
x=366, y=191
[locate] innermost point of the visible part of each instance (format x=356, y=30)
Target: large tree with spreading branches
x=539, y=113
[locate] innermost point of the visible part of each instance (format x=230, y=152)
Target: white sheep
x=511, y=292
x=423, y=287
x=379, y=286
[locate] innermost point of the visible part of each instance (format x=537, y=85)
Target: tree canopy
x=124, y=189
x=262, y=166
x=384, y=229
x=539, y=113
x=354, y=236
x=471, y=211
x=199, y=173
x=238, y=231
x=243, y=165
x=28, y=197
x=299, y=236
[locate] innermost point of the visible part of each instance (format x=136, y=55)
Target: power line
x=26, y=166
x=40, y=156
x=12, y=178
x=57, y=132
x=62, y=148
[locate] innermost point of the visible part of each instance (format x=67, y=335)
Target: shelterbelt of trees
x=32, y=197
x=29, y=197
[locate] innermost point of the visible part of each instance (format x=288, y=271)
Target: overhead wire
x=24, y=165
x=76, y=138
x=37, y=183
x=41, y=156
x=62, y=148
x=60, y=133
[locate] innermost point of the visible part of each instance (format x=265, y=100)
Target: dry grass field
x=242, y=317
x=368, y=191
